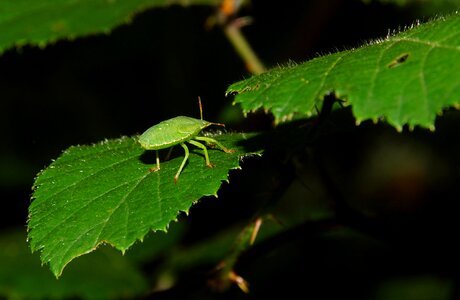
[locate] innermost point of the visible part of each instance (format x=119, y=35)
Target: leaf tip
x=56, y=270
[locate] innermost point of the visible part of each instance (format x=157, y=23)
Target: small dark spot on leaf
x=398, y=60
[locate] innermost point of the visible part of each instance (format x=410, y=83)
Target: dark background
x=106, y=86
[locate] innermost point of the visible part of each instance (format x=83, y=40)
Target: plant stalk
x=233, y=32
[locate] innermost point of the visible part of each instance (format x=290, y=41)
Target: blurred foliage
x=41, y=23
x=420, y=287
x=103, y=274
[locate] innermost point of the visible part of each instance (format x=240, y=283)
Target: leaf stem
x=233, y=32
x=226, y=272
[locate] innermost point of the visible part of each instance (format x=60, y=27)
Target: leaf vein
x=120, y=162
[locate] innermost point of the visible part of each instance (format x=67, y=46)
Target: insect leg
x=206, y=156
x=183, y=162
x=158, y=163
x=169, y=153
x=158, y=159
x=213, y=141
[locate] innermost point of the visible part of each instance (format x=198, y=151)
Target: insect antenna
x=201, y=113
x=201, y=107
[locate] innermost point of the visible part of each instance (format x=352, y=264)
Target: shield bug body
x=179, y=130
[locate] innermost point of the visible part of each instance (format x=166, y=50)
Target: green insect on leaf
x=180, y=130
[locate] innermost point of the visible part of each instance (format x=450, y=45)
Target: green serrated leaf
x=42, y=22
x=406, y=78
x=105, y=193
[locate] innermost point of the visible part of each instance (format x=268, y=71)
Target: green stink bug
x=179, y=130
